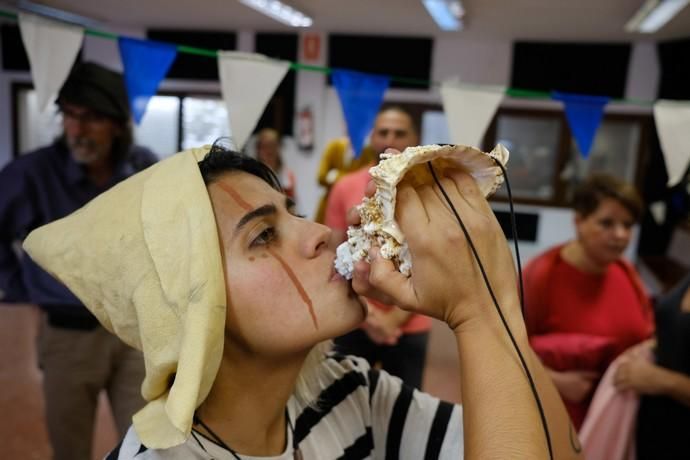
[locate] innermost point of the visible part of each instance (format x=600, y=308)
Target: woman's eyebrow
x=261, y=211
x=289, y=203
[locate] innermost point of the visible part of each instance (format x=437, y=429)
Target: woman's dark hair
x=220, y=160
x=598, y=187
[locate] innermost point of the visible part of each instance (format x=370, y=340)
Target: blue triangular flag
x=584, y=114
x=361, y=96
x=145, y=64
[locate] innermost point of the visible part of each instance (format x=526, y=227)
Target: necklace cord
x=532, y=385
x=215, y=437
x=513, y=227
x=219, y=441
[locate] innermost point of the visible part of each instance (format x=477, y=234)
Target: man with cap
x=79, y=358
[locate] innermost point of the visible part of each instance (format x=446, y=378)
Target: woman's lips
x=335, y=276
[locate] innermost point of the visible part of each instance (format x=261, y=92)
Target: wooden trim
x=16, y=87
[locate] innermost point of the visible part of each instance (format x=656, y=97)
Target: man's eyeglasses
x=82, y=116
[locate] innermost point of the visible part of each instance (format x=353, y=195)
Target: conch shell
x=378, y=226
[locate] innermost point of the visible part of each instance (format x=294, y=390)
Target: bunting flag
x=584, y=114
x=145, y=65
x=469, y=111
x=52, y=48
x=658, y=212
x=360, y=96
x=247, y=82
x=672, y=120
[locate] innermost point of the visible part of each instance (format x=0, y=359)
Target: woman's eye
x=293, y=212
x=265, y=237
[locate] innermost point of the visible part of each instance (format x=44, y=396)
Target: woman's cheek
x=259, y=274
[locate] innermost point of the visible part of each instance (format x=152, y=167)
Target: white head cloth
x=145, y=258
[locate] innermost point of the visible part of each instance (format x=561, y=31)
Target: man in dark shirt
x=78, y=357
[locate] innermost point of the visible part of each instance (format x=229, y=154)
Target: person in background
x=79, y=358
x=268, y=152
x=336, y=161
x=663, y=417
x=392, y=337
x=235, y=323
x=584, y=304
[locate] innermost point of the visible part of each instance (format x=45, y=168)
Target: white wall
x=480, y=62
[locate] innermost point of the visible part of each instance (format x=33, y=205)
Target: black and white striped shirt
x=363, y=414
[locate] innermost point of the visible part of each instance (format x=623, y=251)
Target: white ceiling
x=552, y=20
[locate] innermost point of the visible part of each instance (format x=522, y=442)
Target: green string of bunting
x=298, y=66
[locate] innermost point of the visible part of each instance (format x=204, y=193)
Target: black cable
x=493, y=298
x=513, y=227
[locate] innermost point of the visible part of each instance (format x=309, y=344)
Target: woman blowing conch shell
x=200, y=262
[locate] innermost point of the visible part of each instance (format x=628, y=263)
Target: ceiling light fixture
x=447, y=13
x=654, y=14
x=280, y=12
x=56, y=14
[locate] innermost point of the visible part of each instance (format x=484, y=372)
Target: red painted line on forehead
x=298, y=285
x=235, y=196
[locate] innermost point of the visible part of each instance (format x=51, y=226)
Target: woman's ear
x=578, y=218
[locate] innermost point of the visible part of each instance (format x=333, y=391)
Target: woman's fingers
x=362, y=286
x=352, y=217
x=620, y=378
x=370, y=189
x=410, y=212
x=383, y=282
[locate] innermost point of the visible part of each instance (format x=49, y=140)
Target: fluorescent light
x=280, y=12
x=654, y=14
x=446, y=13
x=57, y=14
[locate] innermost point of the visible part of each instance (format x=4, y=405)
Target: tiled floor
x=22, y=430
x=21, y=399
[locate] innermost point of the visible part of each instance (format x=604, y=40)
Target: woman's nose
x=622, y=231
x=319, y=237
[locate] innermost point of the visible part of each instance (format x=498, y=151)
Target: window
x=545, y=164
x=203, y=121
x=159, y=129
x=33, y=128
x=614, y=151
x=534, y=146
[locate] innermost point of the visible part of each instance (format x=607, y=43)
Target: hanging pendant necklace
x=296, y=453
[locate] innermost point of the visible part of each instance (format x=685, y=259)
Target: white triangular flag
x=247, y=82
x=658, y=211
x=469, y=111
x=52, y=47
x=672, y=120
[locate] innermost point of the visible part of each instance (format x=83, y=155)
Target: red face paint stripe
x=298, y=285
x=235, y=196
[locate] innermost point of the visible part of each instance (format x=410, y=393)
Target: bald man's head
x=394, y=128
